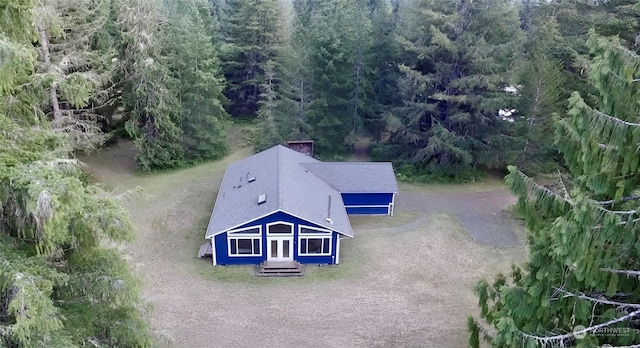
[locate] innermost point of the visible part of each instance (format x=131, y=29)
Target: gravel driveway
x=481, y=213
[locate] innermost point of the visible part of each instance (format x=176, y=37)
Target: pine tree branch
x=611, y=118
x=622, y=271
x=600, y=300
x=617, y=212
x=623, y=199
x=533, y=185
x=564, y=188
x=621, y=223
x=558, y=338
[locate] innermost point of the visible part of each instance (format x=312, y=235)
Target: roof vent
x=328, y=218
x=250, y=178
x=262, y=198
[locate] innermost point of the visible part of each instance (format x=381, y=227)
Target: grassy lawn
x=403, y=281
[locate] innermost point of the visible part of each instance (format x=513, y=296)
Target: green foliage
x=474, y=330
x=253, y=33
x=338, y=51
x=156, y=115
x=269, y=114
x=542, y=82
x=174, y=86
x=53, y=224
x=75, y=74
x=50, y=217
x=583, y=233
x=197, y=80
x=457, y=59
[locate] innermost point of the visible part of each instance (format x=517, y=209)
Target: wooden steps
x=279, y=269
x=205, y=250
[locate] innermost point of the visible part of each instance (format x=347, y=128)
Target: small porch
x=279, y=269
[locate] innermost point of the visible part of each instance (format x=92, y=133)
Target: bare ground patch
x=405, y=281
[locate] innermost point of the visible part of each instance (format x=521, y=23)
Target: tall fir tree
x=174, y=81
x=196, y=78
x=580, y=284
x=269, y=117
x=253, y=34
x=458, y=56
x=75, y=67
x=154, y=106
x=59, y=285
x=338, y=42
x=384, y=53
x=541, y=93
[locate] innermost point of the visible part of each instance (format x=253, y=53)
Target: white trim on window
x=325, y=245
x=279, y=223
x=234, y=236
x=240, y=231
x=316, y=230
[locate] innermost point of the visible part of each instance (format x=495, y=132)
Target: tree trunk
x=356, y=99
x=46, y=56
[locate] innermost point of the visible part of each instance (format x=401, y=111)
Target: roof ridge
x=279, y=175
x=318, y=176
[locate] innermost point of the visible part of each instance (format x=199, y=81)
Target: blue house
x=281, y=205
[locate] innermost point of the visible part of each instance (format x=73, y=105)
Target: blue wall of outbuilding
x=367, y=198
x=221, y=248
x=368, y=210
x=367, y=203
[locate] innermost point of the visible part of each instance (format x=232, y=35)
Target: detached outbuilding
x=280, y=205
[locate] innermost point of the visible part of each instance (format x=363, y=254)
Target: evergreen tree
x=286, y=90
x=154, y=106
x=542, y=84
x=196, y=78
x=338, y=39
x=457, y=58
x=174, y=83
x=59, y=286
x=74, y=66
x=253, y=34
x=269, y=111
x=581, y=279
x=384, y=53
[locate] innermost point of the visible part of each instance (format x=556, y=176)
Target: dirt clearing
x=403, y=281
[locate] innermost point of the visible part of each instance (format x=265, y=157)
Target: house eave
x=327, y=226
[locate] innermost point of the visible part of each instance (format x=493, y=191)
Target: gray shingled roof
x=288, y=186
x=356, y=177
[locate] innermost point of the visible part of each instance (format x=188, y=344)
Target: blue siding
x=367, y=203
x=318, y=259
x=367, y=198
x=368, y=210
x=222, y=257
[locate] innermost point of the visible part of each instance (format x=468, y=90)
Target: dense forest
x=446, y=89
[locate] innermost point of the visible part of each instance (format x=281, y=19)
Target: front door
x=280, y=249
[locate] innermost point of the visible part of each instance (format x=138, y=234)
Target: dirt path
x=404, y=281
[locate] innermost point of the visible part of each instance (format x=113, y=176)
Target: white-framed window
x=314, y=241
x=313, y=230
x=280, y=228
x=245, y=241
